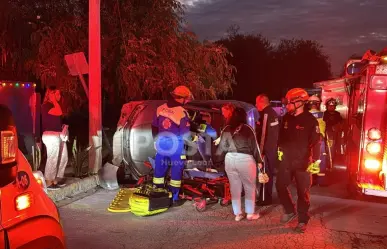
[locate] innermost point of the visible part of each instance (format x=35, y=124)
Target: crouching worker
x=238, y=141
x=170, y=128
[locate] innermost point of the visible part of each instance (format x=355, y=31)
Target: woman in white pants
x=54, y=139
x=239, y=142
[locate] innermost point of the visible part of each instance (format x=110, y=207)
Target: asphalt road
x=336, y=222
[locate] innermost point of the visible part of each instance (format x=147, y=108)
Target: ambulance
x=362, y=101
x=29, y=219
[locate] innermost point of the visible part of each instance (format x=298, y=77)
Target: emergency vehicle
x=362, y=97
x=29, y=219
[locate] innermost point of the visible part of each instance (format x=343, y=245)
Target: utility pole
x=95, y=99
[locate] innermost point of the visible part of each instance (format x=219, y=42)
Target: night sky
x=343, y=27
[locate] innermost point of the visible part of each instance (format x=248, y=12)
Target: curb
x=75, y=188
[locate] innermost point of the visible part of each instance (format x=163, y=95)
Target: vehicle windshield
x=354, y=68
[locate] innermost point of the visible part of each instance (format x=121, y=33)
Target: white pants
x=241, y=171
x=54, y=168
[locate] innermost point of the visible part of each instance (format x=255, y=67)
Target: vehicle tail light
x=379, y=82
x=40, y=180
x=374, y=134
x=372, y=164
x=8, y=145
x=374, y=148
x=23, y=201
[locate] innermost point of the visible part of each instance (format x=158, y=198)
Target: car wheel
x=201, y=205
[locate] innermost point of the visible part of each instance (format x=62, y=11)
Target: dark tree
x=264, y=67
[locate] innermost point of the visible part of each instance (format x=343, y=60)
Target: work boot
x=253, y=216
x=239, y=217
x=266, y=202
x=300, y=228
x=177, y=203
x=285, y=218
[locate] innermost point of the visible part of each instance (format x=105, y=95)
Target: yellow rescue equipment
x=147, y=200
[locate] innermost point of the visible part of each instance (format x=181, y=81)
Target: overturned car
x=133, y=144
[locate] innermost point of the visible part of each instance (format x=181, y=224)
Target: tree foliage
x=160, y=54
x=14, y=41
x=253, y=58
x=265, y=67
x=145, y=50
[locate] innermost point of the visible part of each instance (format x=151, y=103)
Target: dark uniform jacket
x=299, y=140
x=272, y=129
x=331, y=119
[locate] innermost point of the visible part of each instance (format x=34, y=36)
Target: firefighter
x=298, y=153
x=314, y=103
x=333, y=122
x=170, y=128
x=270, y=145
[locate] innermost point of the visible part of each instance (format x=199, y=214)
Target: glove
x=217, y=141
x=280, y=154
x=314, y=168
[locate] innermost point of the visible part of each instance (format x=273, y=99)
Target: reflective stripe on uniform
x=320, y=174
x=183, y=157
x=202, y=128
x=274, y=123
x=158, y=180
x=175, y=183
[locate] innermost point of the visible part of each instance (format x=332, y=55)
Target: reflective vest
x=321, y=123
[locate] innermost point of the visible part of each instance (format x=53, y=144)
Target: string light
x=17, y=84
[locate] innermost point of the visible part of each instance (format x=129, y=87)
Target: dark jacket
x=331, y=119
x=239, y=137
x=299, y=140
x=272, y=129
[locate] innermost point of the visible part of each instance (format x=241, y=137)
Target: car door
x=2, y=232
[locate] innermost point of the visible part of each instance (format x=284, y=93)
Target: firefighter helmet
x=314, y=98
x=296, y=95
x=331, y=101
x=182, y=92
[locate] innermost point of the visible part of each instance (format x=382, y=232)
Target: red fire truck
x=362, y=101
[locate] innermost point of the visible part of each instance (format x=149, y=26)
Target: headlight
x=372, y=164
x=23, y=201
x=374, y=148
x=374, y=134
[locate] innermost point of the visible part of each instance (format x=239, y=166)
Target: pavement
x=337, y=222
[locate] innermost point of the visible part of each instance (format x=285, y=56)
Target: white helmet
x=314, y=98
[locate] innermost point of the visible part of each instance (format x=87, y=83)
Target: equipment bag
x=147, y=200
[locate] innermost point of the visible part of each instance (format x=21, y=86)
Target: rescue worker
x=314, y=103
x=270, y=145
x=333, y=122
x=206, y=133
x=299, y=153
x=170, y=128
